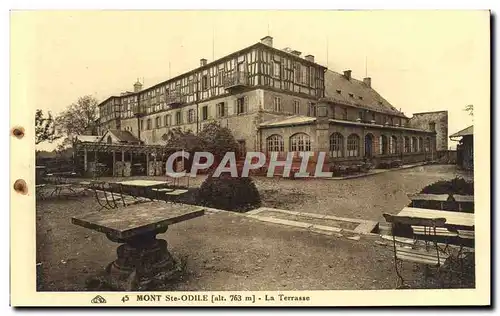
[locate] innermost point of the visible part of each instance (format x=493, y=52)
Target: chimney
x=368, y=82
x=296, y=53
x=347, y=74
x=203, y=62
x=137, y=86
x=309, y=58
x=268, y=40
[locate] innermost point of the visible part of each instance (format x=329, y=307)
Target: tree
x=218, y=140
x=78, y=119
x=177, y=139
x=470, y=109
x=44, y=128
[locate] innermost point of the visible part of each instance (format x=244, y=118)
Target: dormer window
x=339, y=91
x=380, y=102
x=351, y=95
x=360, y=97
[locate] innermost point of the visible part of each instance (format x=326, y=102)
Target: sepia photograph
x=252, y=157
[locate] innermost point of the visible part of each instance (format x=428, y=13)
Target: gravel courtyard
x=228, y=251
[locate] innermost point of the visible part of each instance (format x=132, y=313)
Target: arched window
x=427, y=144
x=336, y=145
x=275, y=143
x=383, y=145
x=353, y=145
x=407, y=147
x=394, y=145
x=414, y=144
x=300, y=142
x=420, y=144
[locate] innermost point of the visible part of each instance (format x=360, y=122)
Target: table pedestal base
x=143, y=263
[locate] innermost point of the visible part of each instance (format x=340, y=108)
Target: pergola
x=113, y=148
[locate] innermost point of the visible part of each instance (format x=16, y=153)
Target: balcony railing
x=138, y=110
x=174, y=98
x=237, y=79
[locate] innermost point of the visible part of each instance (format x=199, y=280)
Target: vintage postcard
x=250, y=158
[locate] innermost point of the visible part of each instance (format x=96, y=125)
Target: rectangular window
x=277, y=70
x=353, y=146
x=311, y=109
x=204, y=82
x=178, y=118
x=336, y=145
x=241, y=105
x=344, y=114
x=296, y=71
x=158, y=122
x=277, y=104
x=190, y=87
x=191, y=116
x=149, y=124
x=166, y=120
x=407, y=144
x=221, y=109
x=204, y=113
x=304, y=74
x=361, y=115
x=296, y=106
x=393, y=145
x=221, y=76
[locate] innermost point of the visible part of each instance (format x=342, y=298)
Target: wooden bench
x=430, y=256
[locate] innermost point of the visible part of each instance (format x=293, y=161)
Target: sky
x=418, y=60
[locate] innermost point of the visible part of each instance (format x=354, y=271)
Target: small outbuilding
x=465, y=148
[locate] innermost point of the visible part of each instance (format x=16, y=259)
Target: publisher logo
x=98, y=300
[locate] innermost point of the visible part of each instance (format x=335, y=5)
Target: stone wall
x=426, y=120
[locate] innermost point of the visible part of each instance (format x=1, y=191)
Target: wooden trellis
x=130, y=149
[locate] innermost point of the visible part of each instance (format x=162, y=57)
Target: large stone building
x=275, y=100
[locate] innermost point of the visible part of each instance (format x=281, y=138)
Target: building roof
x=362, y=95
x=88, y=138
x=214, y=62
x=465, y=132
x=305, y=120
x=289, y=120
x=123, y=136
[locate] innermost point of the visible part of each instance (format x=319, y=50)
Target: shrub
x=455, y=186
x=229, y=193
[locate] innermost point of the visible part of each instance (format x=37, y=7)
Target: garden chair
x=465, y=252
x=431, y=256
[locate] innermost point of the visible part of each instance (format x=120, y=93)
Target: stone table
x=142, y=257
x=141, y=187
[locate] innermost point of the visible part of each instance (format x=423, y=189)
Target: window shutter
x=245, y=106
x=235, y=106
